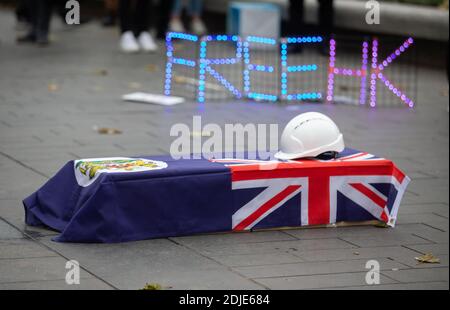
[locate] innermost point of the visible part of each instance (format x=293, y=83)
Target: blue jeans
x=194, y=9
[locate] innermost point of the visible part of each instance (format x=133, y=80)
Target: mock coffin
x=126, y=199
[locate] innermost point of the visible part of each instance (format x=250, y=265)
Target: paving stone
x=41, y=130
x=418, y=275
x=272, y=247
x=438, y=209
x=436, y=249
x=430, y=219
x=23, y=248
x=85, y=284
x=131, y=265
x=233, y=238
x=357, y=253
x=320, y=281
x=426, y=232
x=383, y=240
x=256, y=259
x=205, y=279
x=311, y=268
x=402, y=286
x=34, y=269
x=8, y=232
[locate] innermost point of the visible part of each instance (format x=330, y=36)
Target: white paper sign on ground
x=152, y=98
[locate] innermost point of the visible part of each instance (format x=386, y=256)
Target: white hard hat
x=309, y=135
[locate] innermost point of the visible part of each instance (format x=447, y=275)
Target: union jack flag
x=355, y=186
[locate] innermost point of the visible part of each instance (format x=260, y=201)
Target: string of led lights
x=208, y=67
x=249, y=67
x=205, y=65
x=172, y=60
x=286, y=69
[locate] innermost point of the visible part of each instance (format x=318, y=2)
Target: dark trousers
x=138, y=15
x=296, y=17
x=40, y=15
x=22, y=11
x=134, y=15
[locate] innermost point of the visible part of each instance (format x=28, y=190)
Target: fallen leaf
x=101, y=72
x=381, y=225
x=152, y=287
x=134, y=85
x=53, y=87
x=107, y=131
x=428, y=259
x=152, y=68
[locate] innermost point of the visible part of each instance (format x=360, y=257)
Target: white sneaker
x=198, y=27
x=146, y=42
x=128, y=43
x=176, y=25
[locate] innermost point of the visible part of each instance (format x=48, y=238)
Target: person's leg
x=195, y=11
x=296, y=17
x=125, y=16
x=326, y=24
x=111, y=8
x=164, y=9
x=141, y=16
x=176, y=9
x=195, y=8
x=326, y=17
x=175, y=23
x=296, y=26
x=30, y=37
x=22, y=11
x=128, y=42
x=44, y=15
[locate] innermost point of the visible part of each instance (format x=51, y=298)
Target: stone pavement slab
x=85, y=284
x=320, y=281
x=41, y=129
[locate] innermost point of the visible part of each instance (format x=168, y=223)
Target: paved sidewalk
x=51, y=98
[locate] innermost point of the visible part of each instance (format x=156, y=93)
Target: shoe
x=176, y=25
x=146, y=42
x=28, y=38
x=22, y=26
x=42, y=41
x=198, y=27
x=128, y=43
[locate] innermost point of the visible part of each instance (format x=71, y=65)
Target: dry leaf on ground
x=107, y=131
x=428, y=259
x=52, y=87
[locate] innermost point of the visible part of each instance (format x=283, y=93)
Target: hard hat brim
x=337, y=146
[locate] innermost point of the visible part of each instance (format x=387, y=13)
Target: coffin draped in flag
x=125, y=199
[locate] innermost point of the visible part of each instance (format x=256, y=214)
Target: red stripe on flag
x=266, y=207
x=400, y=176
x=370, y=194
x=286, y=170
x=319, y=200
x=353, y=156
x=384, y=217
